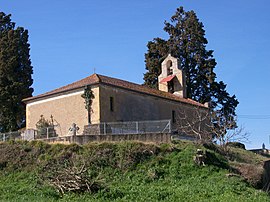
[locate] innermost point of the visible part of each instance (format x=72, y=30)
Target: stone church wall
x=66, y=108
x=111, y=104
x=134, y=106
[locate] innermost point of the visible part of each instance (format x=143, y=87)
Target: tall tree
x=157, y=51
x=187, y=42
x=15, y=74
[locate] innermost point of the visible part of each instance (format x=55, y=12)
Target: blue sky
x=69, y=39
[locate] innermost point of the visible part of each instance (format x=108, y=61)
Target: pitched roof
x=96, y=79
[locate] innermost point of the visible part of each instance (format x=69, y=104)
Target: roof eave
x=29, y=99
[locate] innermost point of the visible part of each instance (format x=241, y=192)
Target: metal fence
x=29, y=134
x=16, y=135
x=109, y=128
x=46, y=132
x=133, y=127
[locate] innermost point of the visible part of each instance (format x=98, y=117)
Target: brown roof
x=96, y=78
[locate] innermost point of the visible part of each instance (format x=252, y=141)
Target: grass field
x=124, y=172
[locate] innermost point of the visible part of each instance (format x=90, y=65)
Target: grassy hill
x=128, y=171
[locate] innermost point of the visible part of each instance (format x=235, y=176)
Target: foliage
x=232, y=135
x=46, y=127
x=24, y=186
x=88, y=100
x=223, y=116
x=15, y=74
x=236, y=144
x=157, y=51
x=187, y=42
x=131, y=172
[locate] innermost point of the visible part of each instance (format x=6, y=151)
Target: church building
x=114, y=100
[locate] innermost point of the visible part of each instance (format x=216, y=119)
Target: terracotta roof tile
x=78, y=84
x=167, y=79
x=144, y=89
x=96, y=78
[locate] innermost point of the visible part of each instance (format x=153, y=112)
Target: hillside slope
x=126, y=171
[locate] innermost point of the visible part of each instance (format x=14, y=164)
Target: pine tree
x=187, y=42
x=15, y=74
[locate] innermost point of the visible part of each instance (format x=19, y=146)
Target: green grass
x=23, y=186
x=127, y=172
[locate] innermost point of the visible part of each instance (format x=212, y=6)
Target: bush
x=236, y=145
x=125, y=171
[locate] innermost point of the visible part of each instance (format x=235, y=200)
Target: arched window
x=169, y=68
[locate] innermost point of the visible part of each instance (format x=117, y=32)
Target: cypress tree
x=187, y=42
x=15, y=74
x=157, y=50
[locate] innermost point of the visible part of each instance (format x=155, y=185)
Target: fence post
x=170, y=126
x=137, y=127
x=47, y=129
x=4, y=137
x=104, y=132
x=35, y=134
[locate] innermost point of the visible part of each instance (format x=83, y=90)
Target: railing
x=133, y=127
x=29, y=134
x=109, y=128
x=16, y=135
x=46, y=132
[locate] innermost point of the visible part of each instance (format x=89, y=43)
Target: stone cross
x=74, y=128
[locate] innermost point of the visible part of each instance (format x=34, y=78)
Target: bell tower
x=172, y=78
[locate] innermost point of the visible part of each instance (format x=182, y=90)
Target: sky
x=71, y=40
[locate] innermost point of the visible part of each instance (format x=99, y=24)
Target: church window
x=111, y=104
x=173, y=116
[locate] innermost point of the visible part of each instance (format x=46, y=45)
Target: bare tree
x=194, y=121
x=198, y=122
x=225, y=133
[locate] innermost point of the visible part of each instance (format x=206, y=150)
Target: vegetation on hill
x=128, y=171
